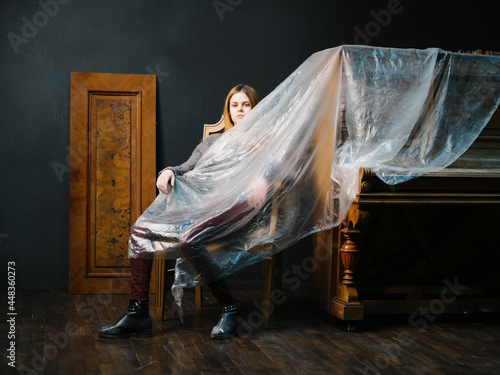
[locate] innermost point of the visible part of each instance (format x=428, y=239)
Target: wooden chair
x=271, y=265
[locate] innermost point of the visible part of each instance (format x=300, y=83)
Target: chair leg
x=198, y=296
x=278, y=276
x=160, y=288
x=267, y=283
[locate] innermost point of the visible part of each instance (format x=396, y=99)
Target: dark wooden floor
x=56, y=334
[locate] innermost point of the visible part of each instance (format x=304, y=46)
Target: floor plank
x=56, y=333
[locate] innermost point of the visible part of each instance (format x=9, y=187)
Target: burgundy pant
x=141, y=276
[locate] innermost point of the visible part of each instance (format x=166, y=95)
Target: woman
x=240, y=100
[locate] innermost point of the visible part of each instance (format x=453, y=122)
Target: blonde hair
x=248, y=91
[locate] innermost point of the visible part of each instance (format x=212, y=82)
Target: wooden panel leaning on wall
x=113, y=174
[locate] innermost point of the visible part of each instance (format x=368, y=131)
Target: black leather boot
x=136, y=320
x=228, y=324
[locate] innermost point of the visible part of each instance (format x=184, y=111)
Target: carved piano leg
x=345, y=304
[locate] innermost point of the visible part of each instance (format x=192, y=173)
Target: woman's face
x=239, y=106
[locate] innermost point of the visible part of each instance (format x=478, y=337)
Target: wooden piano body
x=427, y=246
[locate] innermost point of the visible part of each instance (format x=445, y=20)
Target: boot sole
x=142, y=334
x=222, y=337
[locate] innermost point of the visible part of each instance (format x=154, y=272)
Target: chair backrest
x=209, y=129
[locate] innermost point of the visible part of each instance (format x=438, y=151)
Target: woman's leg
x=227, y=327
x=210, y=272
x=221, y=292
x=211, y=227
x=141, y=277
x=136, y=320
x=204, y=264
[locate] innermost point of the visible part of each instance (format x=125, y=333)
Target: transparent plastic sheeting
x=404, y=112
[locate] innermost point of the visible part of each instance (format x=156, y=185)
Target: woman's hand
x=258, y=193
x=167, y=177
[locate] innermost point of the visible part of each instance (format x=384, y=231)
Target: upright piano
x=425, y=247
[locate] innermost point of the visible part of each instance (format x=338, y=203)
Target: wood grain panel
x=114, y=122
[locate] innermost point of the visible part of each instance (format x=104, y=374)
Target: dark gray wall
x=197, y=52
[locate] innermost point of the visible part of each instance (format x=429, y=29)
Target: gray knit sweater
x=195, y=156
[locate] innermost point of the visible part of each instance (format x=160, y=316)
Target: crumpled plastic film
x=401, y=112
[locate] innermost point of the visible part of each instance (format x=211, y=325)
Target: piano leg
x=345, y=304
